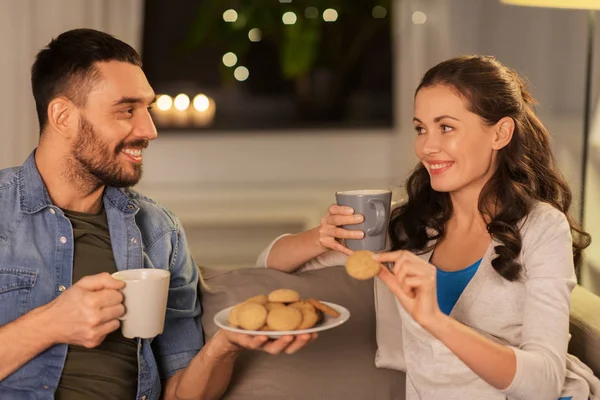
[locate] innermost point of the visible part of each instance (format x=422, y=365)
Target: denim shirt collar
x=34, y=196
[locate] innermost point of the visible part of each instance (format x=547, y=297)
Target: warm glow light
x=572, y=4
x=379, y=12
x=255, y=35
x=289, y=18
x=330, y=15
x=182, y=102
x=229, y=59
x=419, y=18
x=241, y=73
x=201, y=102
x=311, y=12
x=164, y=102
x=230, y=15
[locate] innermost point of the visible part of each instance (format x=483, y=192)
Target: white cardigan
x=530, y=315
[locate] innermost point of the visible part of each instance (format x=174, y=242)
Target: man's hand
x=88, y=311
x=226, y=343
x=288, y=344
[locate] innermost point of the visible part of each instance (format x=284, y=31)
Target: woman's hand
x=413, y=281
x=331, y=236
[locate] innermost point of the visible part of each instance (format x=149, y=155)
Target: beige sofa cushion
x=338, y=365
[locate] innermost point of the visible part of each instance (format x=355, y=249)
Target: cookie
x=260, y=299
x=269, y=306
x=283, y=296
x=302, y=305
x=360, y=265
x=324, y=307
x=284, y=319
x=232, y=317
x=309, y=319
x=251, y=316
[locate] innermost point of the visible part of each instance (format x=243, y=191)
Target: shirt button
x=46, y=387
x=61, y=288
x=133, y=240
x=52, y=211
x=63, y=240
x=130, y=206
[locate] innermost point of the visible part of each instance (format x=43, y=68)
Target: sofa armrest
x=585, y=328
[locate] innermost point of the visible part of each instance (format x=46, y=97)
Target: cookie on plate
x=309, y=319
x=324, y=307
x=232, y=317
x=283, y=296
x=284, y=319
x=260, y=299
x=360, y=265
x=251, y=316
x=269, y=306
x=302, y=305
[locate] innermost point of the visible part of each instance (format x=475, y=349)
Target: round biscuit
x=302, y=305
x=309, y=319
x=360, y=265
x=283, y=296
x=233, y=313
x=251, y=316
x=324, y=308
x=284, y=319
x=269, y=306
x=260, y=299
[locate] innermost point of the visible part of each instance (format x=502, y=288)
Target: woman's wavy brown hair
x=526, y=171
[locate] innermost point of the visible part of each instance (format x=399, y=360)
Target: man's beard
x=96, y=164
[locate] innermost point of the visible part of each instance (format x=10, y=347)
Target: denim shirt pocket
x=15, y=291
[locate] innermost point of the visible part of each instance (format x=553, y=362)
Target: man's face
x=115, y=126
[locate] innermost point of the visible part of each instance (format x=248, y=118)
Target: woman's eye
x=446, y=128
x=420, y=130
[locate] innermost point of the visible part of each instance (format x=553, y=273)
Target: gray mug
x=375, y=206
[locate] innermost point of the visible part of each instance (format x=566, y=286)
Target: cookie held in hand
x=360, y=265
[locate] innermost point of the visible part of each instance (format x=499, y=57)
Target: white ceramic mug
x=145, y=299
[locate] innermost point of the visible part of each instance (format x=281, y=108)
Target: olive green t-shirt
x=109, y=371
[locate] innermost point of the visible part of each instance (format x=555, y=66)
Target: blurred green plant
x=308, y=43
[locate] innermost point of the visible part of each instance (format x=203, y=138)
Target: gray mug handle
x=380, y=217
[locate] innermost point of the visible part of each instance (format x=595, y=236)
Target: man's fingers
x=299, y=342
x=111, y=313
x=107, y=327
x=100, y=281
x=278, y=345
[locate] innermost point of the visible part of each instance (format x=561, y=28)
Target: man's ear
x=63, y=117
x=503, y=133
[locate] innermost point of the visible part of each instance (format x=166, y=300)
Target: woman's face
x=455, y=146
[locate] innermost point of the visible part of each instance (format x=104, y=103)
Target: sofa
x=340, y=363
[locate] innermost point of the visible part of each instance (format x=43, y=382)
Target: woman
x=477, y=303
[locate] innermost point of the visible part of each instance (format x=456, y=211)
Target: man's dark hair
x=66, y=67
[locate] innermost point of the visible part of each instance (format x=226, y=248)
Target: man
x=67, y=220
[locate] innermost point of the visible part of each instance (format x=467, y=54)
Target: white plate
x=328, y=322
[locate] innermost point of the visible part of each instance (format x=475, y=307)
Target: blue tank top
x=450, y=285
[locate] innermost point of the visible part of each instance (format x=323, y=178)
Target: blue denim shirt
x=36, y=263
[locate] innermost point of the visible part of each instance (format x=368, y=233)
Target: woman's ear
x=503, y=133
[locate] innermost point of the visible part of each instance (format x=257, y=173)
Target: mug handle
x=380, y=217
